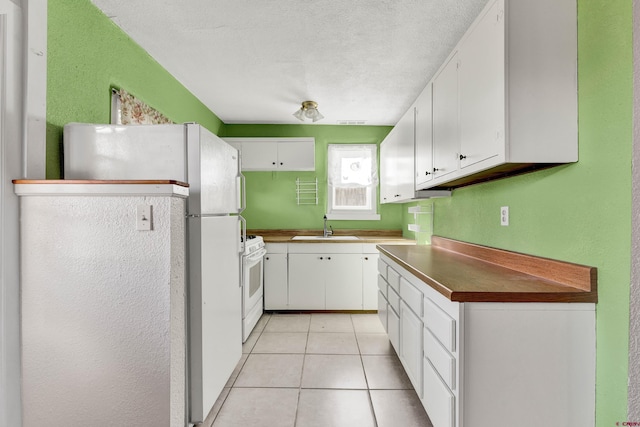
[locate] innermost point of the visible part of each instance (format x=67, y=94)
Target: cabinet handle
x=427, y=173
x=273, y=163
x=366, y=258
x=267, y=258
x=462, y=157
x=436, y=169
x=281, y=163
x=329, y=258
x=321, y=258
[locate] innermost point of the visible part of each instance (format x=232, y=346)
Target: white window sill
x=353, y=216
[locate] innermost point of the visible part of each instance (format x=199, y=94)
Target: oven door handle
x=256, y=255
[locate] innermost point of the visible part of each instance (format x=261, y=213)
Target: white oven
x=252, y=283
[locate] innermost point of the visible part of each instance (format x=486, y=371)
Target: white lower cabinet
x=370, y=280
x=438, y=400
x=276, y=284
x=411, y=330
x=393, y=328
x=343, y=282
x=330, y=276
x=307, y=281
x=383, y=309
x=491, y=364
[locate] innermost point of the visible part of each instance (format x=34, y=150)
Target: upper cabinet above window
x=275, y=154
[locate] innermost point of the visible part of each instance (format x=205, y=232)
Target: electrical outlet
x=143, y=218
x=504, y=215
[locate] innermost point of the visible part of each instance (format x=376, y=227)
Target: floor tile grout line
x=231, y=386
x=300, y=388
x=366, y=379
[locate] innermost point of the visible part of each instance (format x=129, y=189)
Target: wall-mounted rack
x=307, y=191
x=424, y=227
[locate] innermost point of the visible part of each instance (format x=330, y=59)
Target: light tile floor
x=318, y=370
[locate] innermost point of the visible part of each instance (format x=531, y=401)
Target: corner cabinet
x=275, y=154
x=505, y=100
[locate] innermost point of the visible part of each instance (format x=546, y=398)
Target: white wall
x=634, y=325
x=11, y=133
x=22, y=154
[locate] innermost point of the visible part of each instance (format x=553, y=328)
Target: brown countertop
x=386, y=237
x=466, y=272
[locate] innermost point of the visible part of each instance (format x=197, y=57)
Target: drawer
x=439, y=401
x=440, y=324
x=394, y=300
x=393, y=329
x=411, y=296
x=276, y=248
x=443, y=362
x=382, y=268
x=382, y=310
x=393, y=278
x=382, y=285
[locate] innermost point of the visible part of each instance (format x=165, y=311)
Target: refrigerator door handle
x=243, y=191
x=243, y=227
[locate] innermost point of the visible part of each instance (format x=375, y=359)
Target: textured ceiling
x=256, y=61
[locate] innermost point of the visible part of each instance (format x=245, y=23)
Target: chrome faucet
x=326, y=232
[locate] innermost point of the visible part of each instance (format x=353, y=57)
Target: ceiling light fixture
x=309, y=110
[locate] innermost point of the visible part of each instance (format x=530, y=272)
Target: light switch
x=143, y=219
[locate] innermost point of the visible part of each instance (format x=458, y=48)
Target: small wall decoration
x=126, y=109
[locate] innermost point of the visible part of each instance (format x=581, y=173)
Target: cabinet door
x=424, y=138
x=405, y=156
x=383, y=310
x=388, y=180
x=481, y=79
x=343, y=281
x=370, y=281
x=445, y=120
x=306, y=281
x=276, y=292
x=296, y=155
x=259, y=155
x=411, y=330
x=393, y=328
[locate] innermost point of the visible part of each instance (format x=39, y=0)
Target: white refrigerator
x=191, y=154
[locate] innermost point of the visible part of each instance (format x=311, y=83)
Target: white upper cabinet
x=275, y=154
x=424, y=137
x=405, y=156
x=506, y=98
x=397, y=161
x=445, y=120
x=388, y=183
x=482, y=91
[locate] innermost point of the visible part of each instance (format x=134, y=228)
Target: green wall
x=580, y=212
x=87, y=55
x=271, y=196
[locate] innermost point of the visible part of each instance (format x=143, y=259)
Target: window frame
x=370, y=214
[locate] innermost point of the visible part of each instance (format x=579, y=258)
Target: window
x=352, y=182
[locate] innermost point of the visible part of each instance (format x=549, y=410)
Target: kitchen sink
x=324, y=238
